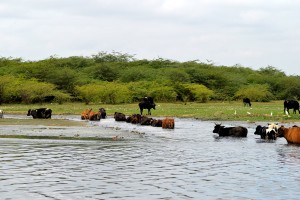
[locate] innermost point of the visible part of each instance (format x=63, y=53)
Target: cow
x=1, y=113
x=267, y=132
x=102, y=113
x=146, y=120
x=86, y=113
x=168, y=123
x=291, y=104
x=223, y=131
x=156, y=123
x=246, y=102
x=40, y=113
x=134, y=119
x=147, y=103
x=119, y=116
x=94, y=116
x=292, y=134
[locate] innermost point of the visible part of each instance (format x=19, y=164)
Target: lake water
x=189, y=162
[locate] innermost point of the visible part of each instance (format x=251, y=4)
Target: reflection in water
x=185, y=163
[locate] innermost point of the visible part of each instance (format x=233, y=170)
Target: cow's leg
x=141, y=110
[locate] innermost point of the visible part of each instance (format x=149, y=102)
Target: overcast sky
x=250, y=33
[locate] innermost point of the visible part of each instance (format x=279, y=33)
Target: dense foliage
x=115, y=77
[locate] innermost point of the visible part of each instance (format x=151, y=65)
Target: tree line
x=113, y=78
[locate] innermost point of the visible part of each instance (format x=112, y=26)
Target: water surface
x=189, y=162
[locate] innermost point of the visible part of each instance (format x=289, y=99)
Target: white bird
x=235, y=112
x=286, y=112
x=271, y=114
x=248, y=113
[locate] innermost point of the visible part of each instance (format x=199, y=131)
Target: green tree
x=256, y=92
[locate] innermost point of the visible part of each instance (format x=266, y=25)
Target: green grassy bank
x=260, y=111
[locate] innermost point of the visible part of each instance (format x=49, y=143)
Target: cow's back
x=292, y=135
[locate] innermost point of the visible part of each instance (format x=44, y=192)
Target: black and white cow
x=40, y=113
x=267, y=132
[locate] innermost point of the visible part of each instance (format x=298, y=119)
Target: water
x=189, y=162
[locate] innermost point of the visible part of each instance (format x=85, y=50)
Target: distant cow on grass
x=147, y=103
x=291, y=104
x=246, y=102
x=223, y=131
x=41, y=113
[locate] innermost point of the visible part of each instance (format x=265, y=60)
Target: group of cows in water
x=270, y=132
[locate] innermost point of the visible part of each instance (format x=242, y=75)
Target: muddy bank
x=63, y=127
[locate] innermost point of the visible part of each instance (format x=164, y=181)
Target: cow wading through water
x=40, y=113
x=147, y=103
x=223, y=131
x=291, y=104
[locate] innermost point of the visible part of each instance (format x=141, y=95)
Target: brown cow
x=292, y=134
x=85, y=114
x=94, y=116
x=168, y=123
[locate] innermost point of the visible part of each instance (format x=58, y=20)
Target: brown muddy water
x=189, y=162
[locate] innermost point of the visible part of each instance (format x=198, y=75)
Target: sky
x=248, y=33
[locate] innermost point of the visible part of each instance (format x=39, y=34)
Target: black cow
x=102, y=113
x=40, y=113
x=265, y=132
x=291, y=104
x=147, y=103
x=246, y=102
x=238, y=131
x=156, y=123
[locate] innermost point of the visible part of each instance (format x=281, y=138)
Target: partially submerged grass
x=222, y=111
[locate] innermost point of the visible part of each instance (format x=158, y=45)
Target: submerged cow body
x=147, y=103
x=291, y=104
x=292, y=134
x=223, y=131
x=119, y=116
x=41, y=113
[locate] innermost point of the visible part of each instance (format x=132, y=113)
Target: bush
x=255, y=92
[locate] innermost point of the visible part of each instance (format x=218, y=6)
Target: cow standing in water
x=40, y=113
x=147, y=103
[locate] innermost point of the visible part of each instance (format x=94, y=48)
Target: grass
x=219, y=111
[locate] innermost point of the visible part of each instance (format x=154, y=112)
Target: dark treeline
x=120, y=78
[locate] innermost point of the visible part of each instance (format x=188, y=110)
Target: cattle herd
x=270, y=132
